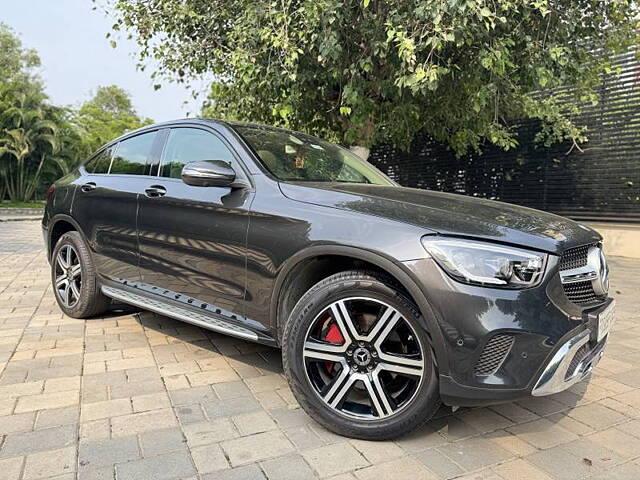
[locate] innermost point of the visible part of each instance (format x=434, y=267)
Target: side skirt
x=207, y=320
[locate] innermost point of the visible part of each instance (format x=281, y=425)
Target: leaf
x=345, y=110
x=113, y=44
x=365, y=3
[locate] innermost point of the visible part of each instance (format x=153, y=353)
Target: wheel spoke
x=383, y=394
x=387, y=328
x=76, y=270
x=61, y=258
x=60, y=280
x=68, y=255
x=75, y=290
x=403, y=365
x=378, y=395
x=323, y=351
x=340, y=389
x=335, y=384
x=343, y=319
x=385, y=323
x=67, y=294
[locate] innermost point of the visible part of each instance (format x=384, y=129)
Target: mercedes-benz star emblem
x=362, y=357
x=599, y=262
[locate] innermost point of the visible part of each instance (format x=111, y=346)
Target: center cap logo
x=362, y=357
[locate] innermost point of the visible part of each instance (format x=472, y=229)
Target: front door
x=193, y=239
x=106, y=203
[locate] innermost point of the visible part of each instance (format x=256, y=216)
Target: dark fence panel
x=601, y=182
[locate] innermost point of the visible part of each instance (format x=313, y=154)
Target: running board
x=180, y=313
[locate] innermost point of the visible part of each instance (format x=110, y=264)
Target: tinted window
x=131, y=155
x=298, y=157
x=100, y=163
x=186, y=145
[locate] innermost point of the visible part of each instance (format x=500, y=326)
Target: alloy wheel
x=68, y=276
x=363, y=358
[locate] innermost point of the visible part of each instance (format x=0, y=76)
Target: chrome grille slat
x=580, y=293
x=574, y=257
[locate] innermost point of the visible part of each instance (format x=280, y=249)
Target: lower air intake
x=494, y=354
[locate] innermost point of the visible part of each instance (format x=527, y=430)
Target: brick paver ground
x=139, y=396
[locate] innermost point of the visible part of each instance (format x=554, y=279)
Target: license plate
x=605, y=320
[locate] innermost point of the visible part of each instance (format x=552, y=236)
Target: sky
x=77, y=58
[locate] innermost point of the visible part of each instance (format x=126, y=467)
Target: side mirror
x=208, y=173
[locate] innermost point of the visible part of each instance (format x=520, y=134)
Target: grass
x=10, y=204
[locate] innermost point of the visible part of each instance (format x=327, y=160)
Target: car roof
x=199, y=120
x=191, y=121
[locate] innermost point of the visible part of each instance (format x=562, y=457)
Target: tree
x=106, y=116
x=27, y=135
x=26, y=146
x=365, y=71
x=16, y=62
x=40, y=142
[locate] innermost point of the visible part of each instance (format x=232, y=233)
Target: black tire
x=90, y=301
x=426, y=400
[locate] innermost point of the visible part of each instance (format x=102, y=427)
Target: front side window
x=100, y=163
x=297, y=157
x=186, y=145
x=131, y=155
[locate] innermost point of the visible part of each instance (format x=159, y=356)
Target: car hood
x=449, y=214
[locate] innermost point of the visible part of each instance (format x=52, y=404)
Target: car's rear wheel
x=358, y=358
x=74, y=278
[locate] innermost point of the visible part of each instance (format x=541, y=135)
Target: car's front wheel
x=74, y=278
x=358, y=358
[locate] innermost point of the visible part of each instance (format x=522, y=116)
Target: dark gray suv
x=385, y=301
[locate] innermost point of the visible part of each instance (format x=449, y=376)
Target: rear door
x=193, y=239
x=106, y=204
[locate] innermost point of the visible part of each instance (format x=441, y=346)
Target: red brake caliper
x=333, y=335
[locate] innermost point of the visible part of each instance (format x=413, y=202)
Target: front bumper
x=546, y=332
x=572, y=363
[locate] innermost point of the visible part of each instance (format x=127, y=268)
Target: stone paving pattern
x=137, y=396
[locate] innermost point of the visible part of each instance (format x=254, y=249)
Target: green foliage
x=40, y=142
x=106, y=116
x=364, y=71
x=27, y=136
x=25, y=145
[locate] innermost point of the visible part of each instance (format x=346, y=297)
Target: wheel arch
x=61, y=224
x=301, y=260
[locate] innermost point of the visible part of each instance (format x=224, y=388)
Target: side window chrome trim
x=147, y=165
x=114, y=150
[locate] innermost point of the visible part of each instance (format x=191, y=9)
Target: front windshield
x=297, y=157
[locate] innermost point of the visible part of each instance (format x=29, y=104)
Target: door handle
x=155, y=191
x=87, y=187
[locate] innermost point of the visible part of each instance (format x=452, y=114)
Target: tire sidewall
x=306, y=311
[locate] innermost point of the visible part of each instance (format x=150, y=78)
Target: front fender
x=397, y=270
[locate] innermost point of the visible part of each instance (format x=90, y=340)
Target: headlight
x=487, y=264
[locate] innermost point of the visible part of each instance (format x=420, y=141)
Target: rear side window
x=131, y=155
x=186, y=145
x=100, y=163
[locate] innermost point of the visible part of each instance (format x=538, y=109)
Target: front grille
x=580, y=293
x=493, y=354
x=574, y=257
